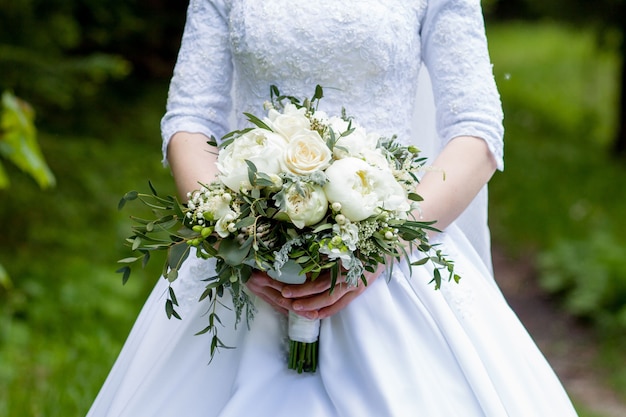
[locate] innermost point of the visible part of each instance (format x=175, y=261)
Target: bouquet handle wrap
x=302, y=329
x=303, y=332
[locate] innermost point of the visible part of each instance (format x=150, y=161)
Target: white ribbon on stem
x=301, y=329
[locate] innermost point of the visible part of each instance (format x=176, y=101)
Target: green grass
x=67, y=314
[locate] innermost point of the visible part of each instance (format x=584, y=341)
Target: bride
x=395, y=347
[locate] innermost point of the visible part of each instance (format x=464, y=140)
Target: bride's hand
x=311, y=299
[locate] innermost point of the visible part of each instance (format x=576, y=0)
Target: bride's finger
x=309, y=306
x=261, y=279
x=308, y=288
x=340, y=304
x=266, y=289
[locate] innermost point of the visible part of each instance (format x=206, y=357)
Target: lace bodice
x=366, y=54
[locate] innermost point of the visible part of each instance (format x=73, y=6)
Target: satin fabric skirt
x=399, y=349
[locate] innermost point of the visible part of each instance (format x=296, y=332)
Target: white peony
x=353, y=144
x=375, y=157
x=363, y=190
x=291, y=121
x=305, y=206
x=259, y=146
x=306, y=153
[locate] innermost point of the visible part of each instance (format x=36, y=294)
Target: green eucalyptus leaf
x=208, y=293
x=177, y=253
x=152, y=189
x=131, y=195
x=319, y=92
x=128, y=260
x=258, y=122
x=205, y=330
x=232, y=252
x=172, y=274
x=437, y=278
x=170, y=311
x=212, y=141
x=168, y=224
x=146, y=258
x=252, y=171
x=421, y=262
x=125, y=271
x=214, y=343
x=245, y=222
x=274, y=91
x=173, y=296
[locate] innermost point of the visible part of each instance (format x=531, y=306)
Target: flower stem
x=303, y=356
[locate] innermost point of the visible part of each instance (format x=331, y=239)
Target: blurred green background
x=95, y=73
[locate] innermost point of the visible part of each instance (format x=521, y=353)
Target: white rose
x=306, y=153
x=260, y=146
x=363, y=190
x=291, y=121
x=222, y=225
x=305, y=206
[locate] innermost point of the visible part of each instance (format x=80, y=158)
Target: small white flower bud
x=336, y=206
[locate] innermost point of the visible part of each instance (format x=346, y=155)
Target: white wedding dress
x=401, y=348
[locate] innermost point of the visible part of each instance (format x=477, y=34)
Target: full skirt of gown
x=400, y=349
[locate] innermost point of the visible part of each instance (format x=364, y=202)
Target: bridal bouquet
x=300, y=195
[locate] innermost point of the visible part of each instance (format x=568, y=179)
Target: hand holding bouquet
x=299, y=194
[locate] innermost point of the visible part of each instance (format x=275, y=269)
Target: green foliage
x=18, y=142
x=560, y=192
x=558, y=119
x=65, y=316
x=599, y=12
x=59, y=54
x=591, y=274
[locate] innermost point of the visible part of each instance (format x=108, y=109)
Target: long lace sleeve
x=454, y=48
x=199, y=95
